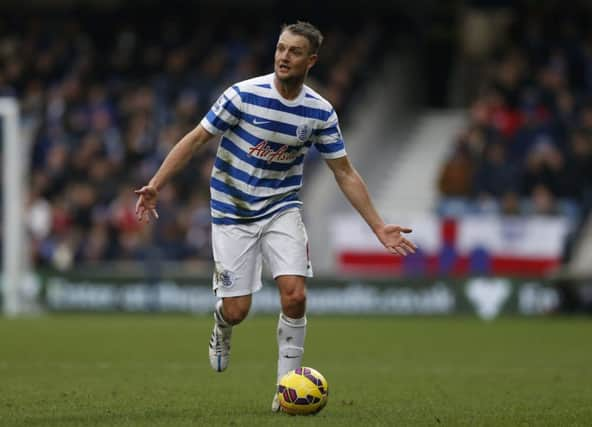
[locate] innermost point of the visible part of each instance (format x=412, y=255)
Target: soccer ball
x=303, y=391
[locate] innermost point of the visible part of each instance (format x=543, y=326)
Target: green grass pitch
x=128, y=370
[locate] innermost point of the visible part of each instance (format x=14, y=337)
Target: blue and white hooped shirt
x=259, y=162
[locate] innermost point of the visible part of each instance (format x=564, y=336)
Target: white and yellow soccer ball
x=303, y=391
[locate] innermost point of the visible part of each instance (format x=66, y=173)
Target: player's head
x=296, y=51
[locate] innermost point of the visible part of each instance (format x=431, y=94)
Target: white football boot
x=220, y=345
x=275, y=404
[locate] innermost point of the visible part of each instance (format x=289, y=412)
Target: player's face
x=293, y=58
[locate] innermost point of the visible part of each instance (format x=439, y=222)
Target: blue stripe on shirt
x=227, y=208
x=222, y=187
x=230, y=107
x=230, y=221
x=330, y=148
x=271, y=125
x=217, y=122
x=274, y=104
x=236, y=173
x=327, y=131
x=252, y=139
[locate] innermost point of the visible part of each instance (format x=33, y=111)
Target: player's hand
x=146, y=204
x=393, y=240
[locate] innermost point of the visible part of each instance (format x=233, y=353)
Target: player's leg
x=237, y=275
x=291, y=329
x=285, y=250
x=227, y=313
x=233, y=310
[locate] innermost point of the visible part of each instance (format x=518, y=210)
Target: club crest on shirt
x=303, y=132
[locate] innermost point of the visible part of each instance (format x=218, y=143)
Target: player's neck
x=288, y=89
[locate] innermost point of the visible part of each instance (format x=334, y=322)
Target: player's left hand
x=391, y=237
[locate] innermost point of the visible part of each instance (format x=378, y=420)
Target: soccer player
x=267, y=124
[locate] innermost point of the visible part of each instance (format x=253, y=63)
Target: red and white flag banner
x=474, y=244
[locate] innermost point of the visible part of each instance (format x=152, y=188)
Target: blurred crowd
x=109, y=95
x=528, y=146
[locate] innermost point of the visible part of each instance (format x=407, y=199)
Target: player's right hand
x=146, y=204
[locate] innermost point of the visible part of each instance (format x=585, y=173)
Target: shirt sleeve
x=328, y=140
x=225, y=113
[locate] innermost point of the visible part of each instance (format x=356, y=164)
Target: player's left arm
x=354, y=188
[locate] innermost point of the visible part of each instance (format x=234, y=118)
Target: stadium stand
x=528, y=147
x=515, y=185
x=110, y=94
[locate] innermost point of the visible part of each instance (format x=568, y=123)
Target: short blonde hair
x=306, y=29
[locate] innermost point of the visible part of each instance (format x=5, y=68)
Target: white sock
x=220, y=321
x=290, y=337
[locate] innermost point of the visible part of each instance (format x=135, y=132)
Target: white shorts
x=240, y=249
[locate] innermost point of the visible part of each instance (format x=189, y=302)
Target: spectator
x=456, y=176
x=532, y=120
x=495, y=176
x=110, y=104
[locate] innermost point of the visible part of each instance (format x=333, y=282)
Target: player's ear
x=312, y=59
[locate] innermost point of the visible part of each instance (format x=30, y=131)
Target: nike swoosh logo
x=291, y=357
x=260, y=122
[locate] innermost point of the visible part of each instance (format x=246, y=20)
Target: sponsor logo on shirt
x=264, y=151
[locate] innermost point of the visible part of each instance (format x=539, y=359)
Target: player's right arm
x=173, y=163
x=224, y=114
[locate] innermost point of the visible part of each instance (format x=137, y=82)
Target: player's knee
x=295, y=298
x=235, y=314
